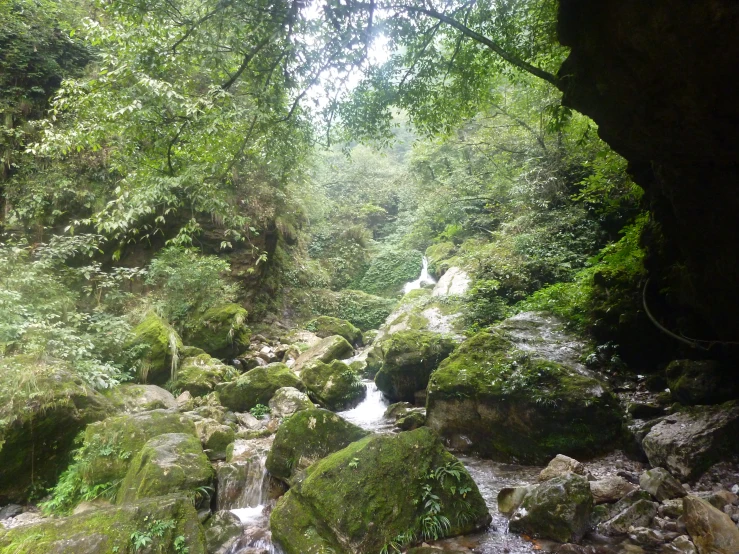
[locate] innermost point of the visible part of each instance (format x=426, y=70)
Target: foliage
x=389, y=270
x=143, y=539
x=259, y=411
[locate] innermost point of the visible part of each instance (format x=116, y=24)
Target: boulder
x=512, y=406
x=221, y=331
x=140, y=398
x=334, y=385
x=681, y=545
x=689, y=442
x=199, y=375
x=43, y=406
x=257, y=386
x=215, y=437
x=660, y=484
x=221, y=531
x=326, y=351
x=287, y=401
x=361, y=498
x=157, y=346
x=307, y=437
x=561, y=465
x=171, y=462
x=326, y=326
x=409, y=357
x=712, y=531
x=694, y=382
x=633, y=510
x=412, y=420
x=558, y=509
x=610, y=489
x=510, y=498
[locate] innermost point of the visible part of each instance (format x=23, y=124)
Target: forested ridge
x=337, y=277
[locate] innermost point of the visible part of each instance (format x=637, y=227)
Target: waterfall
x=368, y=414
x=423, y=279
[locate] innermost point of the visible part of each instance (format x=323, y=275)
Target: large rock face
x=109, y=530
x=42, y=408
x=359, y=499
x=257, y=386
x=335, y=386
x=659, y=79
x=506, y=404
x=221, y=331
x=712, y=531
x=689, y=442
x=409, y=357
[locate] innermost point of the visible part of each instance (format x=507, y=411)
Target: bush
x=390, y=270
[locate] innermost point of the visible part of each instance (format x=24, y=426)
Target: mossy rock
x=287, y=400
x=361, y=498
x=221, y=331
x=131, y=399
x=325, y=326
x=157, y=346
x=390, y=270
x=215, y=437
x=221, y=531
x=199, y=375
x=700, y=382
x=439, y=256
x=335, y=386
x=327, y=350
x=109, y=530
x=409, y=357
x=307, y=437
x=168, y=463
x=514, y=407
x=411, y=421
x=257, y=386
x=43, y=406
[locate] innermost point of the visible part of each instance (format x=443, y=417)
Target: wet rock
x=411, y=421
x=634, y=510
x=168, y=463
x=215, y=438
x=221, y=331
x=610, y=489
x=351, y=502
x=644, y=536
x=561, y=465
x=510, y=498
x=11, y=510
x=334, y=385
x=307, y=437
x=325, y=326
x=199, y=375
x=159, y=345
x=257, y=386
x=711, y=530
x=326, y=351
x=222, y=530
x=694, y=382
x=687, y=443
x=140, y=398
x=287, y=401
x=558, y=509
x=659, y=483
x=398, y=410
x=681, y=545
x=409, y=357
x=671, y=508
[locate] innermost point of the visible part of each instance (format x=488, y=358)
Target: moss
x=438, y=256
x=325, y=326
x=411, y=421
x=140, y=398
x=390, y=270
x=215, y=437
x=256, y=387
x=307, y=437
x=171, y=462
x=109, y=530
x=361, y=498
x=200, y=375
x=409, y=357
x=221, y=331
x=514, y=407
x=157, y=345
x=365, y=311
x=335, y=386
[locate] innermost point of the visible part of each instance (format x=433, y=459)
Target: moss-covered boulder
x=374, y=491
x=171, y=462
x=335, y=386
x=257, y=386
x=698, y=382
x=513, y=406
x=221, y=331
x=409, y=358
x=157, y=346
x=199, y=375
x=307, y=437
x=168, y=521
x=327, y=350
x=439, y=257
x=131, y=399
x=215, y=437
x=221, y=531
x=326, y=326
x=43, y=406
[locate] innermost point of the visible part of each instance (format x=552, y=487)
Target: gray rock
x=671, y=508
x=11, y=510
x=222, y=530
x=712, y=531
x=610, y=489
x=561, y=465
x=681, y=545
x=215, y=438
x=634, y=510
x=287, y=401
x=327, y=350
x=659, y=483
x=717, y=499
x=510, y=498
x=140, y=398
x=646, y=537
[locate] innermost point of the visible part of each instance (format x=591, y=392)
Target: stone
x=221, y=331
x=510, y=498
x=257, y=386
x=681, y=545
x=561, y=465
x=158, y=345
x=558, y=509
x=309, y=436
x=325, y=326
x=694, y=382
x=409, y=358
x=215, y=437
x=646, y=537
x=222, y=529
x=659, y=483
x=644, y=410
x=326, y=351
x=353, y=502
x=199, y=375
x=454, y=282
x=168, y=463
x=287, y=401
x=711, y=530
x=11, y=510
x=671, y=508
x=333, y=385
x=687, y=443
x=413, y=420
x=398, y=410
x=140, y=398
x=43, y=406
x=717, y=499
x=610, y=489
x=633, y=510
x=106, y=530
x=184, y=400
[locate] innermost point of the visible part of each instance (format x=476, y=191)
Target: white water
x=368, y=414
x=424, y=279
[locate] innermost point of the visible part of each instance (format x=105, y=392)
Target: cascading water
x=423, y=279
x=369, y=413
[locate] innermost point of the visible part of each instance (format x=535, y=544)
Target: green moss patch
x=335, y=386
x=257, y=387
x=221, y=331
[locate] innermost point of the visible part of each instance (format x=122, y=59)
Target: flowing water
x=424, y=279
x=369, y=413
